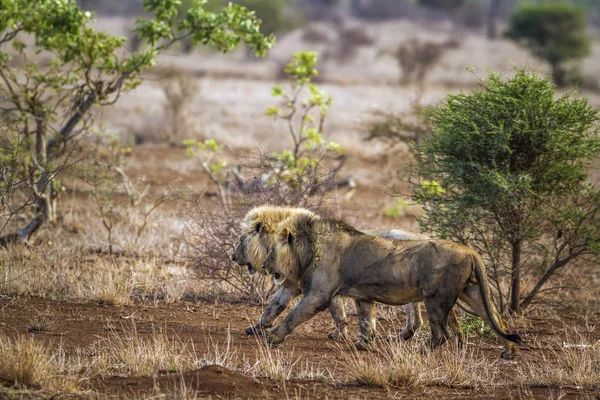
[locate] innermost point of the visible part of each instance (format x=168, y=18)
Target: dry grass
x=72, y=274
x=41, y=322
x=127, y=352
x=413, y=364
x=273, y=363
x=28, y=363
x=108, y=281
x=567, y=360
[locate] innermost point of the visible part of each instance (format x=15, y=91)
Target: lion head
x=293, y=249
x=258, y=234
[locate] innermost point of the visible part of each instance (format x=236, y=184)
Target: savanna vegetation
x=135, y=135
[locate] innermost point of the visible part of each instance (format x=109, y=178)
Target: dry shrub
x=213, y=229
x=314, y=34
x=350, y=40
x=179, y=89
x=213, y=223
x=399, y=128
x=416, y=58
x=471, y=17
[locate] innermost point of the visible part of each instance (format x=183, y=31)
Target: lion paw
x=508, y=356
x=364, y=346
x=274, y=339
x=255, y=331
x=406, y=334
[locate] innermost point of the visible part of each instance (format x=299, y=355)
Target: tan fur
x=330, y=257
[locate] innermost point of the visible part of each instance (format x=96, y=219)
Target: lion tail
x=486, y=299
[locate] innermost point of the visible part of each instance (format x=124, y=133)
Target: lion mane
x=258, y=230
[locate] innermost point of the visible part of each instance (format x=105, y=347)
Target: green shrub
x=505, y=172
x=555, y=32
x=473, y=325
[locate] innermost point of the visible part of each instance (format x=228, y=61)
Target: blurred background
x=389, y=51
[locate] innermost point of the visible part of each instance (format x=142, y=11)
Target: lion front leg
x=308, y=307
x=276, y=306
x=367, y=321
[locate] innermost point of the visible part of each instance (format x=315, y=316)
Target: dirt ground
x=79, y=325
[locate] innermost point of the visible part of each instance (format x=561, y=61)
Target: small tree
x=417, y=58
x=47, y=105
x=555, y=32
x=505, y=172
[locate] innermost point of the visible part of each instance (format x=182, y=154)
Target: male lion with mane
x=259, y=235
x=328, y=257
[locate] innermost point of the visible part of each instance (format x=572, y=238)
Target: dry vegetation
x=81, y=313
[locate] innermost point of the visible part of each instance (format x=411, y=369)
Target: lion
x=329, y=257
x=257, y=238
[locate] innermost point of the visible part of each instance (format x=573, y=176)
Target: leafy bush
x=48, y=105
x=555, y=32
x=505, y=172
x=271, y=13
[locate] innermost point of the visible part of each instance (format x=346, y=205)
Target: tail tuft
x=514, y=337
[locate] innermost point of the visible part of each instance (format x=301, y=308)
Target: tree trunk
x=515, y=279
x=559, y=75
x=23, y=234
x=45, y=156
x=492, y=12
x=557, y=265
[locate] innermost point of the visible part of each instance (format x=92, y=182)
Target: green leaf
x=272, y=111
x=277, y=91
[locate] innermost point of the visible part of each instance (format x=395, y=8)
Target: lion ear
x=258, y=226
x=289, y=237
